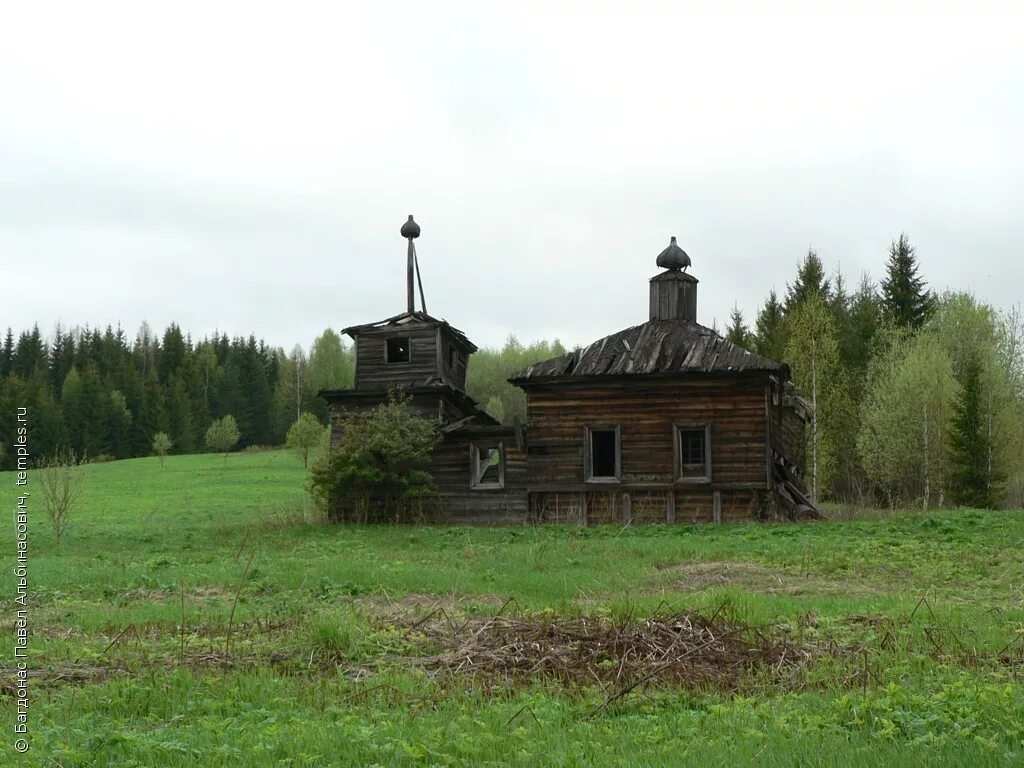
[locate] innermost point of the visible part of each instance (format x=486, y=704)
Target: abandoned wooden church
x=662, y=422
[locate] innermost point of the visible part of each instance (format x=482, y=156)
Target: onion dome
x=672, y=257
x=411, y=229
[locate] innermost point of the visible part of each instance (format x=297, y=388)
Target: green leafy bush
x=377, y=472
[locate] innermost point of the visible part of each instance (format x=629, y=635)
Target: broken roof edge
x=404, y=318
x=445, y=390
x=659, y=376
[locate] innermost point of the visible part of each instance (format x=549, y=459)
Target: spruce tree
x=179, y=416
x=30, y=354
x=172, y=355
x=7, y=354
x=865, y=317
x=770, y=329
x=737, y=331
x=906, y=301
x=74, y=410
x=62, y=356
x=810, y=280
x=972, y=482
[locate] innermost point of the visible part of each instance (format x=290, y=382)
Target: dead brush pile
x=678, y=650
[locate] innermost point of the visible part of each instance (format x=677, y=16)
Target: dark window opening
x=454, y=357
x=488, y=469
x=693, y=453
x=397, y=350
x=604, y=454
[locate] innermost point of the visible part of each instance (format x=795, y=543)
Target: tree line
x=917, y=397
x=103, y=395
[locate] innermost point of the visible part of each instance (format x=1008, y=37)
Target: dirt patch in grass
x=699, y=576
x=144, y=595
x=752, y=577
x=56, y=675
x=402, y=608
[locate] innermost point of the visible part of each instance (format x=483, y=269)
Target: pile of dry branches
x=683, y=649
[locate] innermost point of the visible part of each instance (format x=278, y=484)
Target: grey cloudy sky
x=247, y=167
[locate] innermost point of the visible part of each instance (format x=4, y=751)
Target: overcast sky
x=248, y=169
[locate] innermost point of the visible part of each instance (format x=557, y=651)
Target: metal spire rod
x=416, y=261
x=410, y=294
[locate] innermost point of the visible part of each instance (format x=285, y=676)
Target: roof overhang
x=361, y=398
x=625, y=379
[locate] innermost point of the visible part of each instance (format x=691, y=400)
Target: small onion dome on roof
x=410, y=229
x=672, y=257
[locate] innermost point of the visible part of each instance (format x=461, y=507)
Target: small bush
x=60, y=484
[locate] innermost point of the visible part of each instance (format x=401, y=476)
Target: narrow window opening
x=397, y=349
x=603, y=454
x=693, y=453
x=488, y=465
x=454, y=357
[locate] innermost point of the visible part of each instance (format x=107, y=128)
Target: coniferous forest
x=918, y=397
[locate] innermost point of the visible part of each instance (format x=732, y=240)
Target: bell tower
x=413, y=349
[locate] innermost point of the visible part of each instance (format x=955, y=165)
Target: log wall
x=430, y=359
x=646, y=413
x=451, y=468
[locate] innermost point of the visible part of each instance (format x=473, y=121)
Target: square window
x=488, y=465
x=693, y=452
x=603, y=454
x=397, y=349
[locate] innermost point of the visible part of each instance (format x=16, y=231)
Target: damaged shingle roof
x=411, y=318
x=655, y=347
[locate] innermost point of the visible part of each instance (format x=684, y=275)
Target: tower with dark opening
x=421, y=355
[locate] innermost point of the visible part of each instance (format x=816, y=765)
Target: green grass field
x=141, y=657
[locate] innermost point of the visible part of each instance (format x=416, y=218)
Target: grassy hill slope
x=199, y=615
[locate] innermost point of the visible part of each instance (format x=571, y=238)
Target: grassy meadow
x=200, y=614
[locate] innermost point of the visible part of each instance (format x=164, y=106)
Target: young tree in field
x=222, y=435
x=770, y=329
x=813, y=353
x=906, y=301
x=304, y=435
x=973, y=482
x=378, y=465
x=60, y=481
x=905, y=415
x=737, y=331
x=162, y=446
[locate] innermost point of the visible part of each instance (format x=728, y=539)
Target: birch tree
x=905, y=416
x=813, y=353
